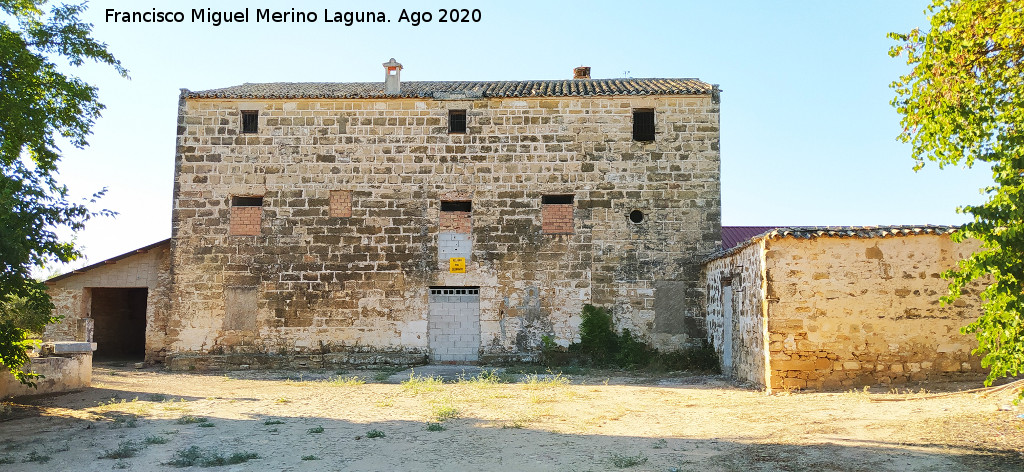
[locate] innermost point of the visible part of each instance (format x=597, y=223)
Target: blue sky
x=808, y=135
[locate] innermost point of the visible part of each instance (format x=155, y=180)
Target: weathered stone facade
x=832, y=309
x=353, y=222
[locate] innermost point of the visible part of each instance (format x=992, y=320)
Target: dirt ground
x=327, y=421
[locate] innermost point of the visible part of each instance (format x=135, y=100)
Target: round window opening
x=636, y=216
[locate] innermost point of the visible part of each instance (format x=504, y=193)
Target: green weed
x=549, y=380
x=417, y=385
x=37, y=457
x=435, y=427
x=310, y=458
x=443, y=412
x=488, y=377
x=375, y=433
x=346, y=381
x=384, y=375
x=153, y=439
x=316, y=430
x=189, y=419
x=125, y=421
x=124, y=450
x=623, y=462
x=272, y=422
x=209, y=458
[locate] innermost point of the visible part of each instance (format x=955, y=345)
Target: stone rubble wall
x=850, y=312
x=324, y=283
x=749, y=331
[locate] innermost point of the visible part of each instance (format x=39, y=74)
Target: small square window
x=456, y=121
x=250, y=121
x=643, y=124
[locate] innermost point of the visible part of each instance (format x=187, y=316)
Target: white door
x=727, y=329
x=454, y=324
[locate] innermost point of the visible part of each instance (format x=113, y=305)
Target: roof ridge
x=452, y=89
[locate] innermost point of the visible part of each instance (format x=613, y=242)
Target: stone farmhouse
x=317, y=224
x=322, y=224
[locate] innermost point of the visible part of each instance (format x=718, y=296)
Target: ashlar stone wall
x=848, y=312
x=319, y=283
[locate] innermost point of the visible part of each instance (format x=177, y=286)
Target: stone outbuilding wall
x=120, y=303
x=827, y=309
x=736, y=320
x=364, y=200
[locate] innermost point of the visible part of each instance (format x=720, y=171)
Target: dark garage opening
x=119, y=317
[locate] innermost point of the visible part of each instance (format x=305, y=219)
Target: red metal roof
x=733, y=236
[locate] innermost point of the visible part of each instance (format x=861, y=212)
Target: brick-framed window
x=456, y=121
x=643, y=124
x=246, y=215
x=457, y=217
x=556, y=214
x=250, y=121
x=341, y=203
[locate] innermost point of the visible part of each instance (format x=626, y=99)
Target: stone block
x=68, y=347
x=794, y=383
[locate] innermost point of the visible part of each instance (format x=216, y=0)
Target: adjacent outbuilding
x=832, y=308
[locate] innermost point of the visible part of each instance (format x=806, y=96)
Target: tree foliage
x=39, y=106
x=963, y=103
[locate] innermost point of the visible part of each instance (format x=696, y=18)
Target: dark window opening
x=456, y=206
x=636, y=216
x=556, y=199
x=246, y=201
x=643, y=125
x=250, y=121
x=456, y=121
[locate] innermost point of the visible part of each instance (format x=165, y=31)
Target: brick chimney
x=581, y=72
x=392, y=77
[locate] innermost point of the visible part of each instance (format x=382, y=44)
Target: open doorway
x=119, y=317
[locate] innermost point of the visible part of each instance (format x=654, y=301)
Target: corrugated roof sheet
x=732, y=236
x=461, y=89
x=814, y=232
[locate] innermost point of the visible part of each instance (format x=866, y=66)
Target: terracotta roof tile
x=814, y=232
x=460, y=89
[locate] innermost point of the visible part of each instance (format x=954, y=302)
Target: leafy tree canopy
x=963, y=103
x=38, y=103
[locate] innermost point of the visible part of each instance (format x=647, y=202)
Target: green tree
x=963, y=103
x=38, y=106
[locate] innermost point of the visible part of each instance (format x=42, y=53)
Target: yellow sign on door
x=457, y=265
